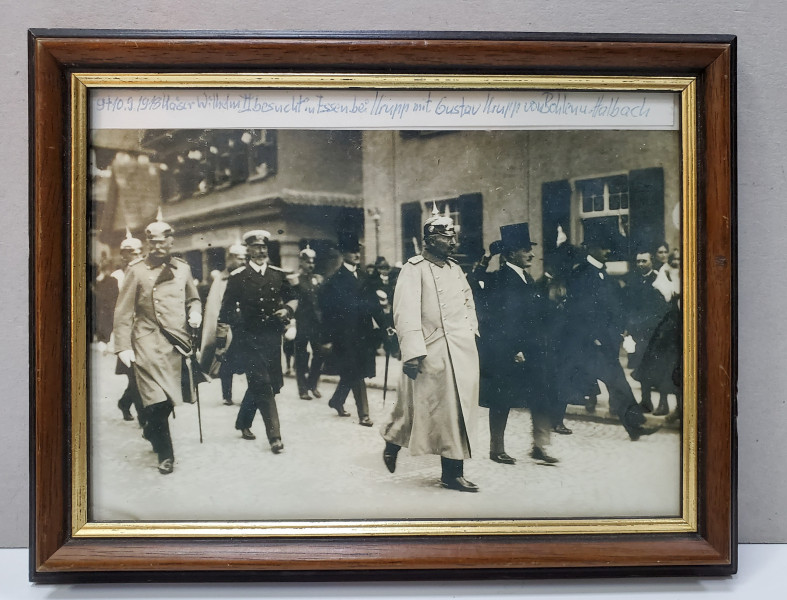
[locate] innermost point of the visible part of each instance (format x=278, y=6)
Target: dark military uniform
x=248, y=307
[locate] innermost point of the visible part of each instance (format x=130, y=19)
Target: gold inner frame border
x=81, y=83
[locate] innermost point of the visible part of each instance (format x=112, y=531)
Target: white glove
x=127, y=357
x=195, y=320
x=629, y=345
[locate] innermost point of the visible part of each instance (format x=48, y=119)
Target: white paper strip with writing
x=187, y=108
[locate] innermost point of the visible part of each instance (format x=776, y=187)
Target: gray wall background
x=762, y=258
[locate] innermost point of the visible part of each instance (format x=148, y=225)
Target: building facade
x=485, y=179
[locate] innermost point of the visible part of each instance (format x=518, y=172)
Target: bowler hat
x=348, y=242
x=257, y=236
x=516, y=236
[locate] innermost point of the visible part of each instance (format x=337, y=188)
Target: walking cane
x=385, y=378
x=390, y=332
x=197, y=377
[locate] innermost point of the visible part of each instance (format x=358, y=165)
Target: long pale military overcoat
x=151, y=319
x=435, y=317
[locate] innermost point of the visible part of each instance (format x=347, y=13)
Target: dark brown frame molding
x=56, y=556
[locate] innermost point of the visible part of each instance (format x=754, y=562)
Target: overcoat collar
x=435, y=260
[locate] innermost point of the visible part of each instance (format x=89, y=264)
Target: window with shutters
x=603, y=196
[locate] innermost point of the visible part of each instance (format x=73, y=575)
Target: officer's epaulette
x=178, y=259
x=238, y=270
x=275, y=268
x=414, y=260
x=136, y=260
x=453, y=260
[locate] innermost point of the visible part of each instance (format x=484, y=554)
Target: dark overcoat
x=349, y=305
x=661, y=359
x=248, y=308
x=513, y=322
x=645, y=306
x=596, y=319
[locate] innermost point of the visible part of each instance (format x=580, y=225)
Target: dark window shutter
x=556, y=210
x=646, y=211
x=411, y=229
x=471, y=236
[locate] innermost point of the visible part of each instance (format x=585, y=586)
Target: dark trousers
x=452, y=468
x=498, y=419
x=358, y=387
x=259, y=396
x=226, y=383
x=156, y=429
x=621, y=399
x=131, y=398
x=307, y=375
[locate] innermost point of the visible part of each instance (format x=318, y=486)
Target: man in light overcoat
x=156, y=306
x=435, y=320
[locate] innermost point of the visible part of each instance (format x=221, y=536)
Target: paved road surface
x=332, y=468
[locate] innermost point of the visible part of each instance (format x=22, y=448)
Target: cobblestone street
x=332, y=468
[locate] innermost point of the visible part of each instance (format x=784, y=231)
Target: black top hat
x=348, y=242
x=516, y=236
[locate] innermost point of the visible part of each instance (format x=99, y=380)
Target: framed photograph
x=480, y=288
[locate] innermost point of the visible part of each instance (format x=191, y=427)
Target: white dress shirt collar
x=519, y=271
x=598, y=264
x=258, y=268
x=352, y=269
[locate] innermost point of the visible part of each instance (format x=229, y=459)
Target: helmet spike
x=435, y=212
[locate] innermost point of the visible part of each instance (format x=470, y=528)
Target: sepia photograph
x=330, y=305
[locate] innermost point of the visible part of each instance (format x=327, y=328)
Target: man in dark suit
x=348, y=303
x=257, y=305
x=595, y=311
x=512, y=347
x=307, y=319
x=645, y=306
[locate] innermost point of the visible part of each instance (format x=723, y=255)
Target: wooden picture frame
x=65, y=546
